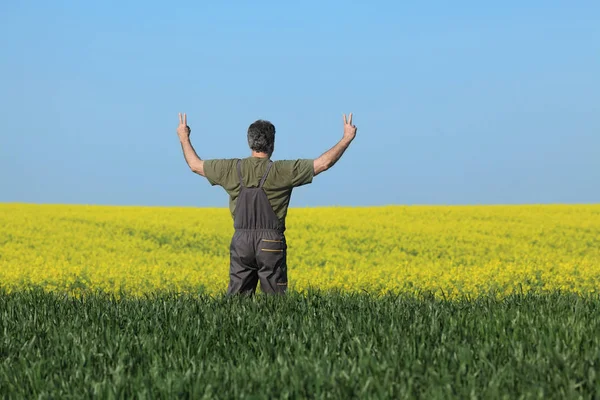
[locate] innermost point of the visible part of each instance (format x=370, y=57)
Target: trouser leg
x=243, y=271
x=271, y=259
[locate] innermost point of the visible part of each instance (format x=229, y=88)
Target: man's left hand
x=183, y=130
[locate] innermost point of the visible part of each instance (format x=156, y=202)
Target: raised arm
x=330, y=157
x=192, y=159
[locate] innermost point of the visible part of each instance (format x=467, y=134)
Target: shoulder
x=290, y=165
x=216, y=169
x=295, y=172
x=219, y=163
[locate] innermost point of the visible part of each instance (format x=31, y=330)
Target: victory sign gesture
x=183, y=130
x=349, y=129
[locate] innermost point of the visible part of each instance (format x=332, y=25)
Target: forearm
x=192, y=159
x=330, y=157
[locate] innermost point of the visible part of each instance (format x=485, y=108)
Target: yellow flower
x=448, y=251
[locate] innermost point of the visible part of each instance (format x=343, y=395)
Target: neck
x=259, y=154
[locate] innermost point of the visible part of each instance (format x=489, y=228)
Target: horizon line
x=304, y=207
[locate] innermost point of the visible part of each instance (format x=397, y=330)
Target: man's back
x=283, y=177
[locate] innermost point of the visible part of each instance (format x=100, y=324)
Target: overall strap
x=262, y=181
x=239, y=169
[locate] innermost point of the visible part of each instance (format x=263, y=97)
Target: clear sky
x=456, y=102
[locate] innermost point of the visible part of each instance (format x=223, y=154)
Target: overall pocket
x=272, y=245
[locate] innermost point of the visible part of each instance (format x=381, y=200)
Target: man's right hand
x=349, y=129
x=330, y=157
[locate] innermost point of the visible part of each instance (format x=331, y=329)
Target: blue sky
x=455, y=102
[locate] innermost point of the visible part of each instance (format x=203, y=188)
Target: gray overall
x=258, y=248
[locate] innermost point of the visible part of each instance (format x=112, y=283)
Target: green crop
x=311, y=345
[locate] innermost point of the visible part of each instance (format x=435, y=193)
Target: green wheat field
x=310, y=345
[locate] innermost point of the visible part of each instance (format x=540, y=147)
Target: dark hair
x=261, y=137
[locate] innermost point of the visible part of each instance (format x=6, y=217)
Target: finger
x=180, y=120
x=344, y=119
x=350, y=119
x=185, y=119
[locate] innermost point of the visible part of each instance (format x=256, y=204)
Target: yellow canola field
x=449, y=250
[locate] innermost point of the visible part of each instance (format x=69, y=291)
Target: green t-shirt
x=283, y=177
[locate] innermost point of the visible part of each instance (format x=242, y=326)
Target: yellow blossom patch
x=448, y=250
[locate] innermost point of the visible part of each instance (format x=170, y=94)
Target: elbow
x=322, y=165
x=328, y=163
x=197, y=169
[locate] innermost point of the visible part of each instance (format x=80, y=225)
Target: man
x=259, y=194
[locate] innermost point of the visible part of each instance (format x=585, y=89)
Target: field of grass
x=420, y=302
x=311, y=345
